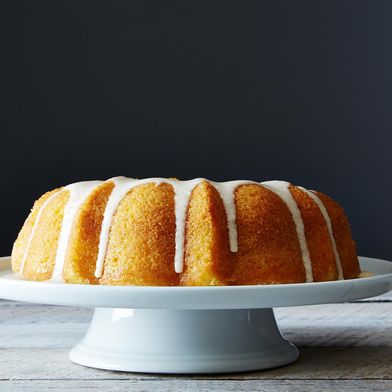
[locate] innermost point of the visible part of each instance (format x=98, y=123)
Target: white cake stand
x=189, y=329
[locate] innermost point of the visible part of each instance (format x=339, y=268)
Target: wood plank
x=167, y=385
x=339, y=325
x=43, y=314
x=67, y=335
x=342, y=325
x=355, y=352
x=314, y=363
x=362, y=312
x=384, y=297
x=29, y=336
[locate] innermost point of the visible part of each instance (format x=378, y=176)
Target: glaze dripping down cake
x=166, y=232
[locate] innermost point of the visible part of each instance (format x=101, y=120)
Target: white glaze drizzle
x=182, y=192
x=281, y=188
x=327, y=219
x=122, y=186
x=227, y=193
x=78, y=193
x=33, y=230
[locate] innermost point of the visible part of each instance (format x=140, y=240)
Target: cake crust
x=166, y=232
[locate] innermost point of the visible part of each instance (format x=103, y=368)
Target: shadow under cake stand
x=189, y=329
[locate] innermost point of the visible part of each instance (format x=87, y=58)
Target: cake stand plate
x=189, y=329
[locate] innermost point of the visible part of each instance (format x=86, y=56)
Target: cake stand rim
x=201, y=297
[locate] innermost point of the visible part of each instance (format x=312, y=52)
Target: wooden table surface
x=342, y=347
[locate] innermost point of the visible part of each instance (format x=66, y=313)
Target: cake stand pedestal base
x=183, y=341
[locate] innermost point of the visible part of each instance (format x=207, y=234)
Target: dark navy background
x=295, y=90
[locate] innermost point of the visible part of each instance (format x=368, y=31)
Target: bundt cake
x=166, y=232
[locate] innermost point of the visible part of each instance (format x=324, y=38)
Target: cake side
x=24, y=237
x=207, y=258
x=82, y=250
x=269, y=251
x=141, y=245
x=319, y=240
x=34, y=255
x=169, y=232
x=342, y=232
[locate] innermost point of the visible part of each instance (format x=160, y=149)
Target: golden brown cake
x=193, y=233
